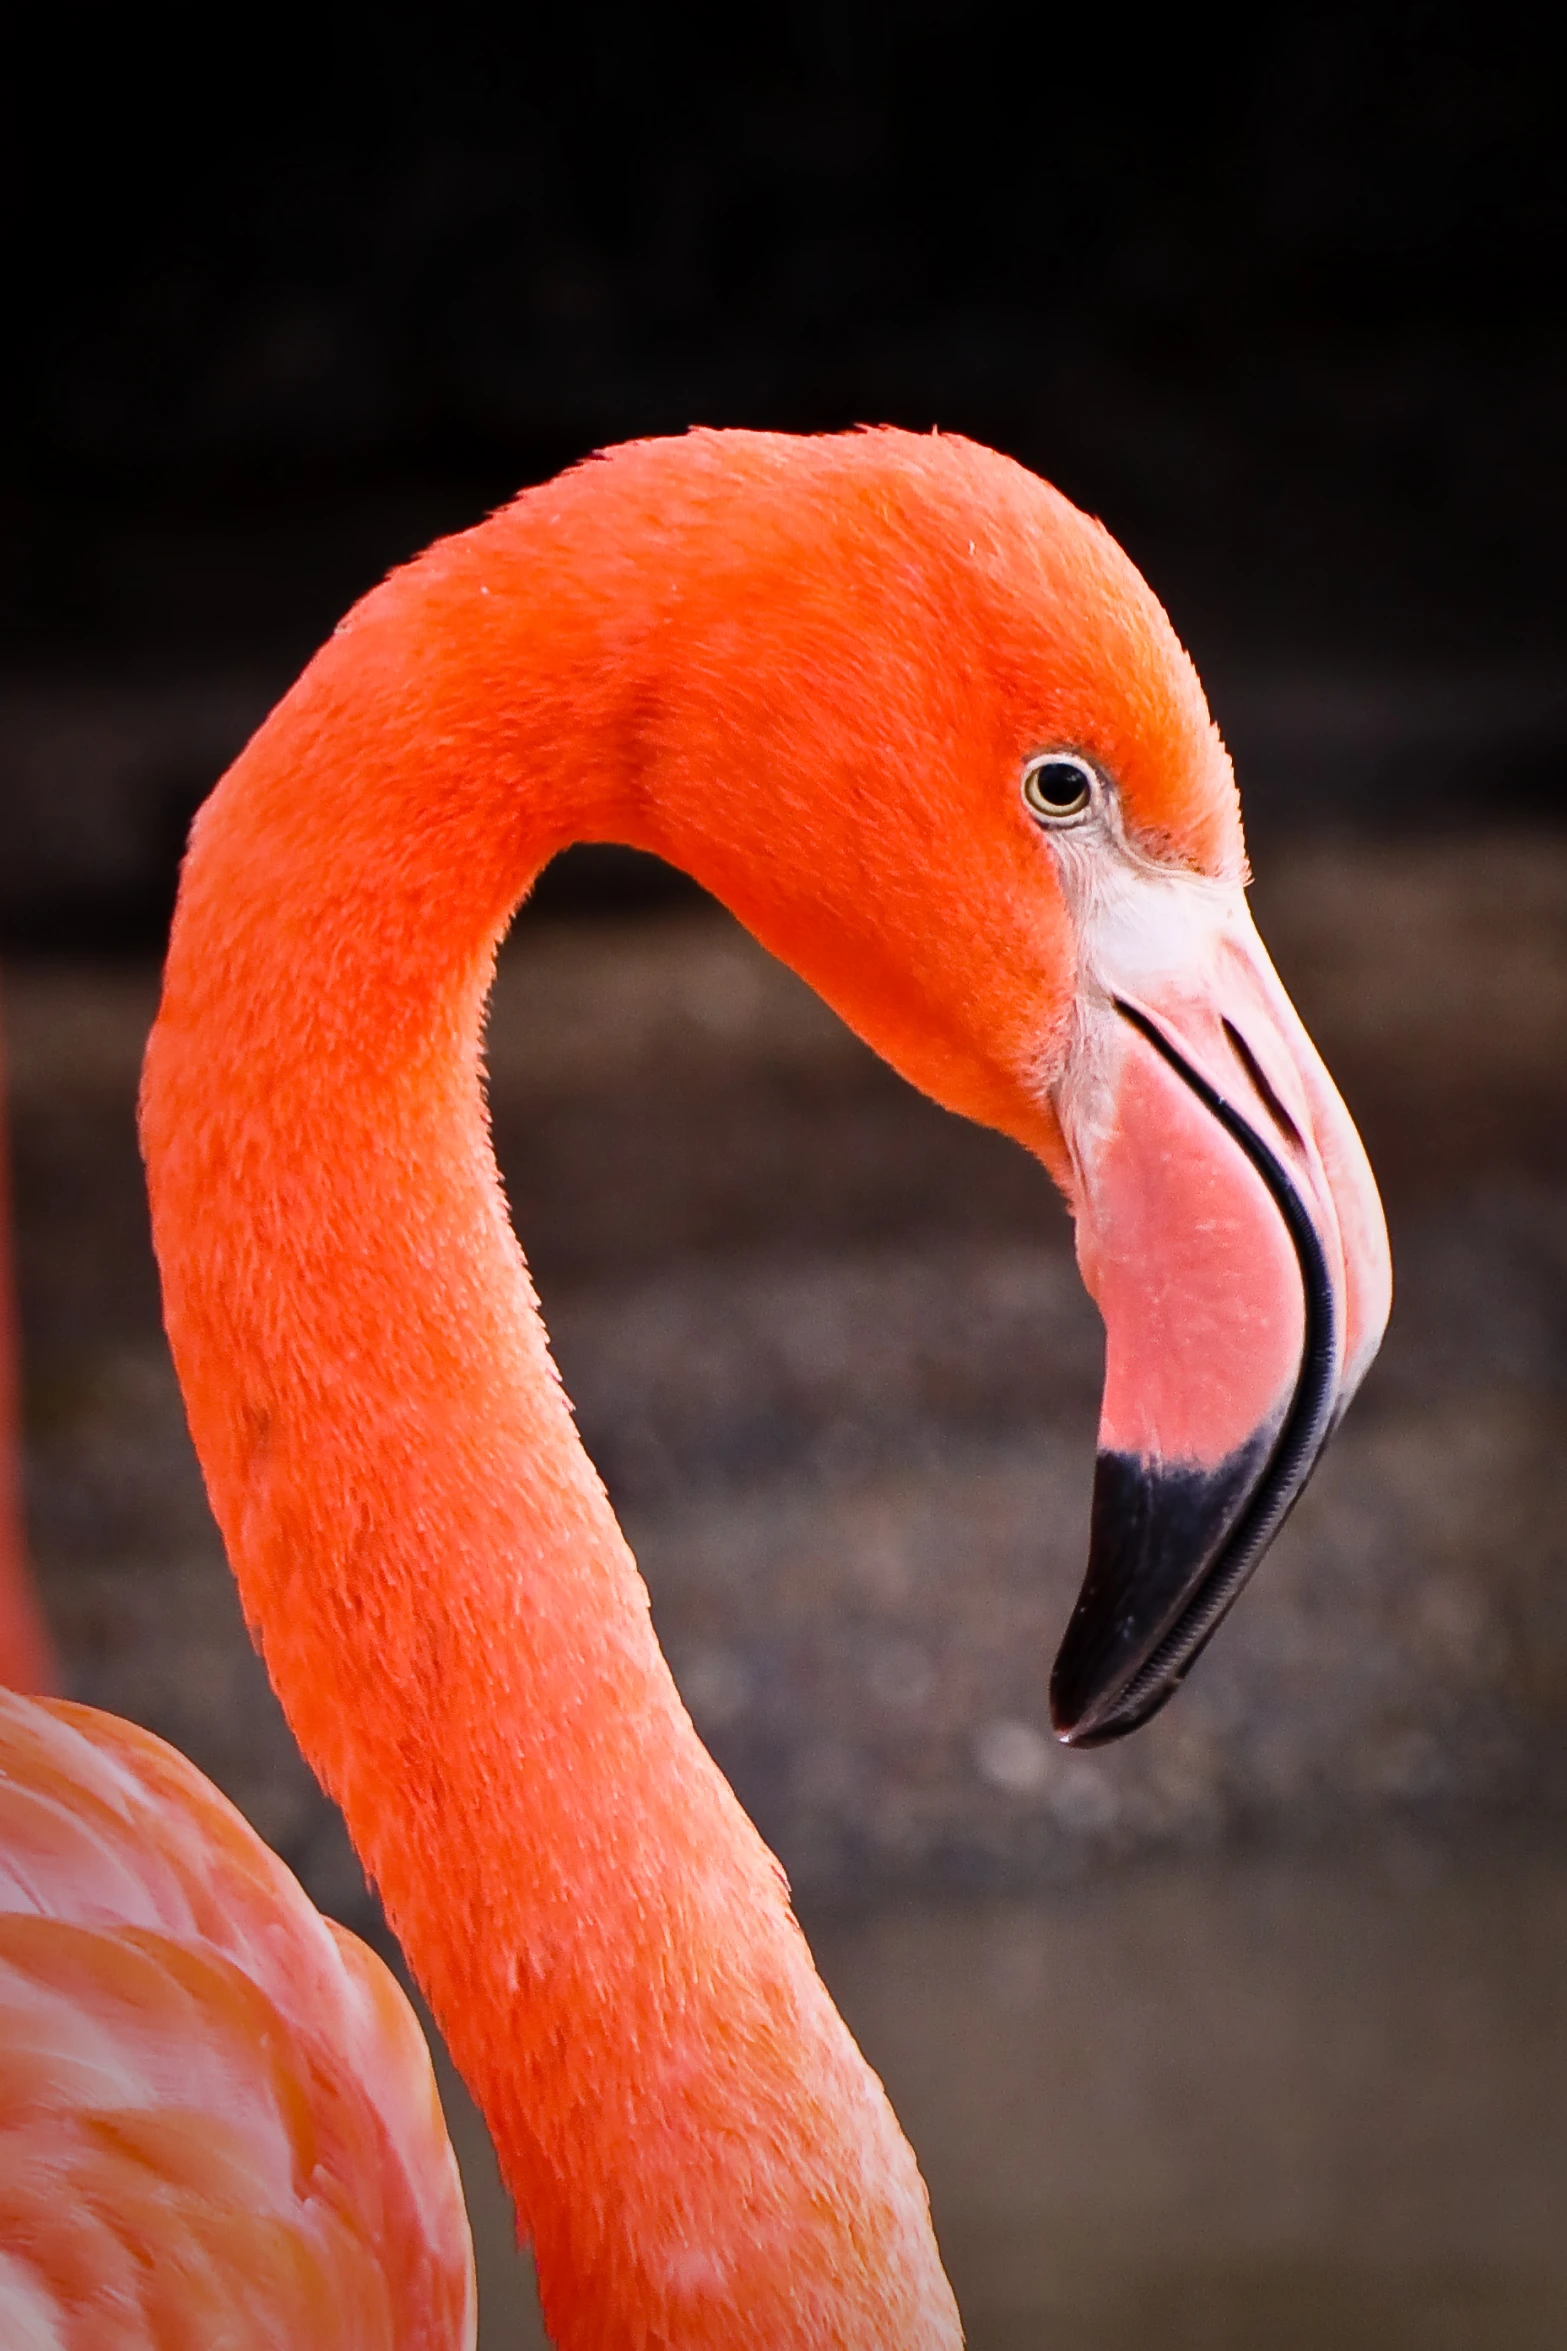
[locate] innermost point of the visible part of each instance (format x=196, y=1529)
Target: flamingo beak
x=1230, y=1232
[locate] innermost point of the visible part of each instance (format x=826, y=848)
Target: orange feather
x=218, y=2121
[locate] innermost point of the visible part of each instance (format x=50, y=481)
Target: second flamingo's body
x=923, y=728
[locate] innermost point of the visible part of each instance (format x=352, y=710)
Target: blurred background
x=1254, y=2030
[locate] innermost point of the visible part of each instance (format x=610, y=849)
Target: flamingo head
x=926, y=729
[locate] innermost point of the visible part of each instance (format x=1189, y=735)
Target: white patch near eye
x=1141, y=928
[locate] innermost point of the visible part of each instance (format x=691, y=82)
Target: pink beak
x=1230, y=1231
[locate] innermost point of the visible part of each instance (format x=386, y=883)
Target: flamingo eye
x=1057, y=787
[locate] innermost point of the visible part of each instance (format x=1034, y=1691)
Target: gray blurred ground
x=829, y=1350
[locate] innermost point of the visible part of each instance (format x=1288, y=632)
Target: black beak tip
x=1082, y=1723
x=1156, y=1533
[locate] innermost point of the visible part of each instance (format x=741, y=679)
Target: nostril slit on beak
x=1254, y=1070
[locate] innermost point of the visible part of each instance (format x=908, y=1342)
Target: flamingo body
x=218, y=2121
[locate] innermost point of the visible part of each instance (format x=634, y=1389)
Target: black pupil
x=1060, y=783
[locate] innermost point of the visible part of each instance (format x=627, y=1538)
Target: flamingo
x=922, y=726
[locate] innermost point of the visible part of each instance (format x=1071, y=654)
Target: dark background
x=1277, y=296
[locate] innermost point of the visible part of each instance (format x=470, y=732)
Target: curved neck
x=447, y=1607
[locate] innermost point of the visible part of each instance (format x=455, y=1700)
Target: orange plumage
x=810, y=672
x=218, y=2122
